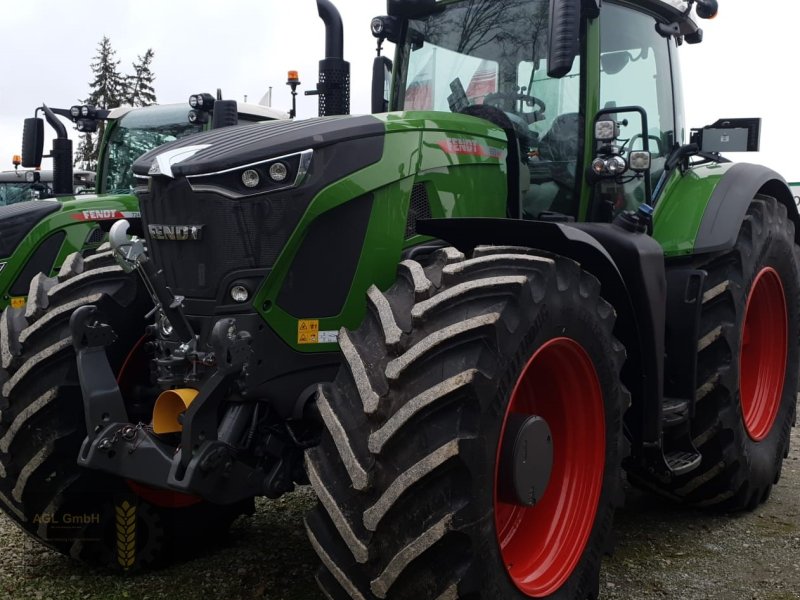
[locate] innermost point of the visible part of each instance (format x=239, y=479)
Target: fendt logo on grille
x=177, y=233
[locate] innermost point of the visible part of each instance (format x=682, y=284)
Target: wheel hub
x=526, y=461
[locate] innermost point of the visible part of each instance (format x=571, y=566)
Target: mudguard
x=728, y=205
x=702, y=209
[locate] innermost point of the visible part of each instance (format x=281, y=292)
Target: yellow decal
x=126, y=535
x=18, y=302
x=307, y=331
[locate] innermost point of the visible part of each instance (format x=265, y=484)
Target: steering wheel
x=504, y=99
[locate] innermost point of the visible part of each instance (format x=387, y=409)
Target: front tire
x=409, y=466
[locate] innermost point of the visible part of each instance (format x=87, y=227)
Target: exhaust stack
x=333, y=88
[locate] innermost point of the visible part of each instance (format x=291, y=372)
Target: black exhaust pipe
x=334, y=72
x=62, y=155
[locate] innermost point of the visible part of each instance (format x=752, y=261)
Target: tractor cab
x=502, y=61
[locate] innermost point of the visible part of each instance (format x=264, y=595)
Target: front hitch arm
x=203, y=465
x=131, y=255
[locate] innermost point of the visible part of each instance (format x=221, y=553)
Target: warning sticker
x=307, y=331
x=18, y=302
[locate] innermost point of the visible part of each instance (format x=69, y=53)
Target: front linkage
x=222, y=460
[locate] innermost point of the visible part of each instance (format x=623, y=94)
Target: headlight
x=606, y=131
x=264, y=177
x=278, y=172
x=239, y=293
x=75, y=112
x=251, y=178
x=616, y=165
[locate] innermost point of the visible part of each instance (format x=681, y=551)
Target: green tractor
x=521, y=282
x=21, y=185
x=39, y=236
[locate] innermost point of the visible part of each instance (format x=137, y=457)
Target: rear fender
x=702, y=210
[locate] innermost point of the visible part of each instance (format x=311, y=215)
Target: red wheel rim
x=542, y=545
x=135, y=365
x=762, y=362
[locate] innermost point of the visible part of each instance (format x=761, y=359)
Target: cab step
x=682, y=462
x=674, y=412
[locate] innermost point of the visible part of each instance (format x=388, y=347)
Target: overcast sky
x=743, y=69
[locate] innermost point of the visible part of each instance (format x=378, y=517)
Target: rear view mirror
x=224, y=114
x=32, y=143
x=612, y=63
x=381, y=83
x=565, y=30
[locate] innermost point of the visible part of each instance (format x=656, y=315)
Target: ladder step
x=674, y=412
x=681, y=462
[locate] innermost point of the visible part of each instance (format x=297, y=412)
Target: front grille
x=419, y=208
x=237, y=235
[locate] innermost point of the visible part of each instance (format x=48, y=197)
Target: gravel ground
x=662, y=553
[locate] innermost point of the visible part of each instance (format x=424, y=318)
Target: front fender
x=702, y=210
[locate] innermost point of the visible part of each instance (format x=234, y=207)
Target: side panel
x=463, y=171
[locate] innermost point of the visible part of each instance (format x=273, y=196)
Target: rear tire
x=88, y=515
x=747, y=374
x=406, y=471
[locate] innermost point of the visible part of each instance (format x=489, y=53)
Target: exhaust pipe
x=333, y=88
x=62, y=155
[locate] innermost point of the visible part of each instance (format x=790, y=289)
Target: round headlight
x=616, y=165
x=599, y=166
x=84, y=111
x=377, y=26
x=239, y=293
x=193, y=101
x=75, y=112
x=199, y=100
x=278, y=172
x=251, y=178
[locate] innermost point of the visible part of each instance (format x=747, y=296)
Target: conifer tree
x=140, y=84
x=108, y=86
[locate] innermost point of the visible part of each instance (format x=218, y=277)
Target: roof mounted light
x=606, y=131
x=201, y=101
x=707, y=9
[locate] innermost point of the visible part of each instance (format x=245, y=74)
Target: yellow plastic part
x=169, y=406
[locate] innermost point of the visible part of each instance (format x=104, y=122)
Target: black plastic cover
x=16, y=221
x=236, y=146
x=41, y=261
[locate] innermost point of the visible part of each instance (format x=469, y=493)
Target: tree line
x=111, y=88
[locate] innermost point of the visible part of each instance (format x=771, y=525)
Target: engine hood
x=232, y=147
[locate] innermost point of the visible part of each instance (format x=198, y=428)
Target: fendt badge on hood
x=177, y=233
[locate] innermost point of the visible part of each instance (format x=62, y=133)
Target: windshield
x=495, y=52
x=137, y=132
x=11, y=193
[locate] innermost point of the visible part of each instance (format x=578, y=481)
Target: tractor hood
x=232, y=147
